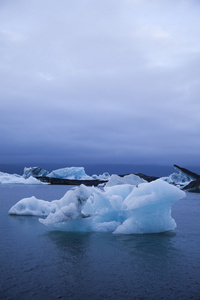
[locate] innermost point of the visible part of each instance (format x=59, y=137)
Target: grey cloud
x=101, y=81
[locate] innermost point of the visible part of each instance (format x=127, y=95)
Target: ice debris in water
x=28, y=177
x=127, y=179
x=178, y=179
x=121, y=209
x=34, y=172
x=70, y=173
x=6, y=178
x=76, y=173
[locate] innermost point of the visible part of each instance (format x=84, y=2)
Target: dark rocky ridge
x=93, y=182
x=187, y=172
x=194, y=185
x=62, y=181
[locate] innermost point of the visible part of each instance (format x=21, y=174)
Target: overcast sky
x=100, y=81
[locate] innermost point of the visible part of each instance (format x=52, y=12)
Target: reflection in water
x=95, y=262
x=38, y=264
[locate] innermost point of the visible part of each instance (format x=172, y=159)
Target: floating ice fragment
x=178, y=179
x=76, y=173
x=34, y=172
x=33, y=207
x=127, y=179
x=6, y=178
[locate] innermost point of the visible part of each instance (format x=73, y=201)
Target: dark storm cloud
x=100, y=81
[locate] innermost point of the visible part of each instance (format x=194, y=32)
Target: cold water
x=36, y=263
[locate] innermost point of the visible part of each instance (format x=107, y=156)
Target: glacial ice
x=121, y=209
x=34, y=171
x=70, y=173
x=76, y=173
x=33, y=207
x=30, y=173
x=104, y=176
x=180, y=179
x=127, y=179
x=6, y=178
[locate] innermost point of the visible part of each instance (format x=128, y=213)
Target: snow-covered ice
x=34, y=171
x=104, y=176
x=70, y=173
x=127, y=179
x=76, y=173
x=179, y=179
x=6, y=178
x=28, y=177
x=33, y=207
x=121, y=209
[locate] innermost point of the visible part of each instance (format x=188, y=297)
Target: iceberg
x=6, y=178
x=75, y=173
x=105, y=176
x=182, y=178
x=33, y=207
x=120, y=209
x=178, y=179
x=34, y=172
x=127, y=179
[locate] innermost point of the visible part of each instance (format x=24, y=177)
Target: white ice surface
x=69, y=173
x=121, y=209
x=127, y=179
x=178, y=179
x=104, y=176
x=76, y=173
x=34, y=171
x=6, y=178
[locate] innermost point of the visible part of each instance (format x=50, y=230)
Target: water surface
x=36, y=263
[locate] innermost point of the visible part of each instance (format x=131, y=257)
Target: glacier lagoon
x=39, y=263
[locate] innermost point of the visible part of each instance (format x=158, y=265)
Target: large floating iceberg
x=121, y=209
x=76, y=173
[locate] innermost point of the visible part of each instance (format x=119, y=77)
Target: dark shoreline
x=95, y=182
x=61, y=181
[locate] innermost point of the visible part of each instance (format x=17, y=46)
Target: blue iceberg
x=121, y=209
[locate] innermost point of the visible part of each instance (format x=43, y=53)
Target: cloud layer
x=100, y=81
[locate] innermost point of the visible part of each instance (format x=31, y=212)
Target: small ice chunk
x=127, y=179
x=33, y=207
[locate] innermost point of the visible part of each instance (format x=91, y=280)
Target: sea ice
x=76, y=173
x=6, y=178
x=180, y=179
x=33, y=207
x=34, y=171
x=127, y=179
x=121, y=209
x=104, y=176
